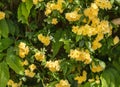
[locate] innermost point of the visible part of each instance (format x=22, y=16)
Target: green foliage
x=110, y=78
x=24, y=11
x=14, y=62
x=4, y=74
x=5, y=43
x=45, y=42
x=4, y=29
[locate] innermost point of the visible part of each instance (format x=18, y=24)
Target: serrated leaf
x=4, y=74
x=4, y=29
x=14, y=63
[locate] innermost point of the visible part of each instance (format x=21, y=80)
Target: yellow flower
x=2, y=15
x=23, y=50
x=97, y=79
x=39, y=56
x=96, y=45
x=104, y=27
x=99, y=37
x=54, y=21
x=47, y=12
x=75, y=29
x=116, y=40
x=95, y=22
x=32, y=67
x=80, y=56
x=72, y=16
x=44, y=39
x=10, y=82
x=54, y=6
x=25, y=63
x=91, y=12
x=104, y=4
x=35, y=2
x=63, y=83
x=53, y=65
x=82, y=78
x=96, y=68
x=91, y=80
x=29, y=73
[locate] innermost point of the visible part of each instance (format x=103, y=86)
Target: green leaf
x=105, y=78
x=115, y=75
x=19, y=13
x=57, y=44
x=14, y=63
x=24, y=11
x=12, y=27
x=5, y=43
x=110, y=77
x=78, y=37
x=66, y=44
x=4, y=29
x=52, y=84
x=4, y=74
x=29, y=5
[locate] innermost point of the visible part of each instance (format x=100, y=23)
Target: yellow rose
x=2, y=15
x=116, y=40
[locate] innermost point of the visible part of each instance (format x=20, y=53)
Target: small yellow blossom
x=104, y=4
x=48, y=11
x=96, y=45
x=80, y=56
x=29, y=73
x=54, y=6
x=75, y=29
x=35, y=2
x=25, y=63
x=72, y=16
x=97, y=79
x=32, y=67
x=96, y=68
x=99, y=37
x=53, y=65
x=39, y=56
x=116, y=40
x=91, y=12
x=63, y=83
x=2, y=15
x=95, y=22
x=23, y=50
x=44, y=39
x=11, y=83
x=82, y=78
x=54, y=21
x=91, y=80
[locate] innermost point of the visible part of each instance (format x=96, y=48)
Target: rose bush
x=59, y=43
